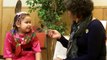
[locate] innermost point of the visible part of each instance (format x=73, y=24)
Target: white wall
x=12, y=3
x=100, y=2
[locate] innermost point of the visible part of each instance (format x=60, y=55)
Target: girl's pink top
x=28, y=50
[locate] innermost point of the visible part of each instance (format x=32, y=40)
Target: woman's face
x=72, y=16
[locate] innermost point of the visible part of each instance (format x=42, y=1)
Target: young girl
x=21, y=42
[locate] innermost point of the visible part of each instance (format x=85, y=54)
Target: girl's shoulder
x=9, y=37
x=9, y=33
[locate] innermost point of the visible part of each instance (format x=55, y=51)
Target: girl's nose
x=30, y=24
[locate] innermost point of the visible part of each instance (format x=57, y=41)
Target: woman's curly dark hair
x=80, y=7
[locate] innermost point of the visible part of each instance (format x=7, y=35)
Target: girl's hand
x=54, y=34
x=38, y=56
x=8, y=58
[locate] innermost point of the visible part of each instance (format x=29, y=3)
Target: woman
x=87, y=37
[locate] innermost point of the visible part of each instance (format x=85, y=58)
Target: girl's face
x=25, y=25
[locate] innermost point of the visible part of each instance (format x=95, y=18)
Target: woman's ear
x=18, y=24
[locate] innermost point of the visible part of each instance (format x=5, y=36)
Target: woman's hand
x=54, y=34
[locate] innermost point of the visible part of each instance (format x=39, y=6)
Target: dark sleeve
x=63, y=41
x=96, y=42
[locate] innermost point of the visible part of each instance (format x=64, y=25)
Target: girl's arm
x=8, y=58
x=38, y=56
x=8, y=47
x=36, y=48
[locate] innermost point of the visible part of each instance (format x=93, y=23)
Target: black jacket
x=91, y=46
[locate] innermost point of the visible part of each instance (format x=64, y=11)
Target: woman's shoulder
x=95, y=23
x=96, y=26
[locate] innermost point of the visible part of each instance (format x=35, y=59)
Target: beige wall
x=0, y=25
x=105, y=13
x=100, y=12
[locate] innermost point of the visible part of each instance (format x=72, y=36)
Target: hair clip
x=19, y=13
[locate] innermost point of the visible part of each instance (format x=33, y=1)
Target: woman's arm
x=56, y=35
x=96, y=40
x=38, y=56
x=63, y=41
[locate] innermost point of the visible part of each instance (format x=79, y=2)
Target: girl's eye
x=28, y=22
